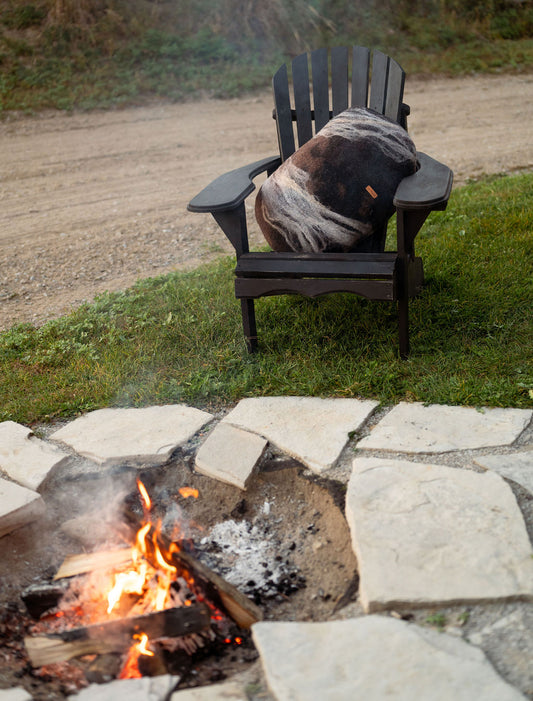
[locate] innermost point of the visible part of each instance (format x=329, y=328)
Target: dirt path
x=92, y=202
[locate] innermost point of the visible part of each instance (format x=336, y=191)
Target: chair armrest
x=229, y=190
x=428, y=188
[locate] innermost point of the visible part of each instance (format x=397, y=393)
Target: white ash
x=252, y=558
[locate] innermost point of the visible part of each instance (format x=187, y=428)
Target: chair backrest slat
x=395, y=85
x=282, y=103
x=339, y=79
x=302, y=104
x=378, y=87
x=360, y=74
x=319, y=69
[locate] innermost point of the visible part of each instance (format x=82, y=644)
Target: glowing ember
x=189, y=492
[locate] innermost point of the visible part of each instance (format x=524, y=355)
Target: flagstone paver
x=230, y=455
x=26, y=458
x=374, y=658
x=509, y=631
x=229, y=691
x=144, y=689
x=18, y=506
x=18, y=694
x=431, y=534
x=150, y=434
x=310, y=429
x=515, y=466
x=415, y=428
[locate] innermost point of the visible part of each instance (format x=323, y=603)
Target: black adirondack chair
x=374, y=273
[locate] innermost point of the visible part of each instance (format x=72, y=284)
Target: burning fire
x=148, y=583
x=152, y=583
x=130, y=669
x=141, y=579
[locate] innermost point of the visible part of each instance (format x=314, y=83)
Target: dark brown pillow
x=337, y=190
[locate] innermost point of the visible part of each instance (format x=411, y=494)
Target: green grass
x=126, y=52
x=155, y=65
x=178, y=338
x=151, y=68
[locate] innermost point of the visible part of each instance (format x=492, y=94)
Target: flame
x=140, y=578
x=140, y=548
x=141, y=645
x=147, y=502
x=189, y=492
x=131, y=582
x=130, y=670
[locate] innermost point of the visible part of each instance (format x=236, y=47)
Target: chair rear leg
x=248, y=324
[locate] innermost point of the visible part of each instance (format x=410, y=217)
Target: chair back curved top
x=331, y=91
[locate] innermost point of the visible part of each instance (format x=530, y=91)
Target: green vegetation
x=178, y=338
x=98, y=53
x=438, y=620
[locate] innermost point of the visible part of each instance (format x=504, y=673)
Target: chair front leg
x=233, y=224
x=408, y=224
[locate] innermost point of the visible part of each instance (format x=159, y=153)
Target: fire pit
x=194, y=564
x=153, y=591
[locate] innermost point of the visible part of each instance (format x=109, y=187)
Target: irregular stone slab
x=229, y=691
x=230, y=455
x=150, y=434
x=374, y=658
x=18, y=694
x=310, y=429
x=144, y=689
x=508, y=630
x=26, y=458
x=431, y=534
x=515, y=466
x=415, y=428
x=18, y=506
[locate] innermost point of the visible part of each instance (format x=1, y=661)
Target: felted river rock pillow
x=337, y=189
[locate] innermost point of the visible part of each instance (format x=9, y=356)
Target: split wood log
x=116, y=636
x=223, y=594
x=88, y=562
x=220, y=592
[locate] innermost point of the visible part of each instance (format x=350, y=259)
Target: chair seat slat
x=324, y=265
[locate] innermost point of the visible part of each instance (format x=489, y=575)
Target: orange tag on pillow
x=371, y=191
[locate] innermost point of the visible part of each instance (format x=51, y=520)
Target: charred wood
x=115, y=636
x=43, y=596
